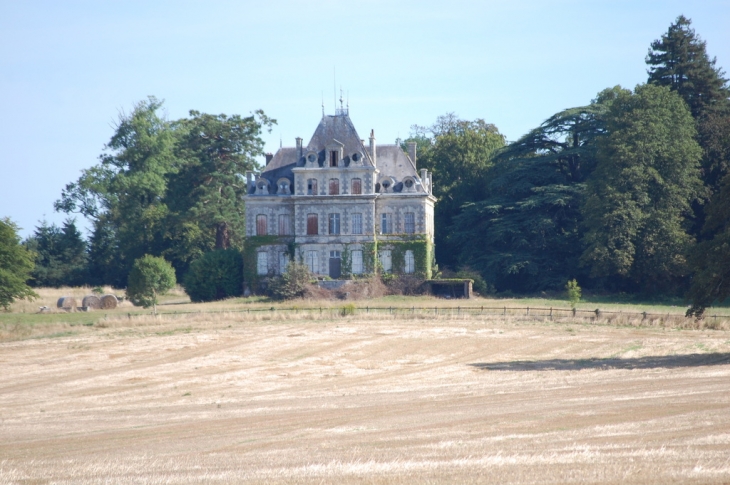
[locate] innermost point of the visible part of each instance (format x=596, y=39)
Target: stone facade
x=341, y=207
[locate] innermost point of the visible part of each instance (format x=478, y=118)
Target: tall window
x=312, y=224
x=334, y=186
x=261, y=225
x=334, y=158
x=410, y=262
x=356, y=187
x=283, y=262
x=385, y=260
x=386, y=226
x=312, y=187
x=356, y=223
x=311, y=259
x=356, y=258
x=262, y=263
x=334, y=225
x=410, y=223
x=284, y=225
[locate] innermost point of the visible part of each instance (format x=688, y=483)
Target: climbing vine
x=250, y=258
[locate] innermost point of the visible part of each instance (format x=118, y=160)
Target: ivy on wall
x=422, y=255
x=251, y=278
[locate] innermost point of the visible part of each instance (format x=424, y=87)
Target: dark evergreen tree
x=711, y=258
x=61, y=258
x=524, y=235
x=679, y=61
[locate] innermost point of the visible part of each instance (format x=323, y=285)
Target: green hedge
x=215, y=275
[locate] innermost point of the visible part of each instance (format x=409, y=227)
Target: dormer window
x=334, y=157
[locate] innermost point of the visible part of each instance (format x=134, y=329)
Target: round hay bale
x=91, y=301
x=66, y=302
x=109, y=302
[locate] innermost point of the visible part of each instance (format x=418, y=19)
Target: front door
x=335, y=265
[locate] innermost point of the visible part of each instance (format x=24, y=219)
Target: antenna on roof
x=348, y=101
x=334, y=86
x=322, y=104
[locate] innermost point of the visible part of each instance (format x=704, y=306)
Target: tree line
x=629, y=193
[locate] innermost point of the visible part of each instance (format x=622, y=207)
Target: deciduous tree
x=150, y=277
x=640, y=194
x=16, y=264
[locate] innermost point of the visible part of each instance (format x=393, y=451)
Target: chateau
x=340, y=206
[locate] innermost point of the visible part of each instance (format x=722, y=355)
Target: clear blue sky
x=68, y=68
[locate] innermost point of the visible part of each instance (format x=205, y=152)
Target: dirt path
x=366, y=401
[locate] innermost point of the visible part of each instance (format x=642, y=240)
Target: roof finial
x=322, y=104
x=341, y=107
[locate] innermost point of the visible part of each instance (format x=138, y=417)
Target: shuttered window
x=283, y=262
x=262, y=263
x=312, y=261
x=312, y=187
x=356, y=187
x=385, y=260
x=410, y=262
x=410, y=223
x=356, y=223
x=312, y=225
x=334, y=224
x=334, y=186
x=261, y=229
x=356, y=256
x=284, y=225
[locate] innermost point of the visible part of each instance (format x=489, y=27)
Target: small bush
x=479, y=285
x=292, y=284
x=348, y=309
x=574, y=293
x=215, y=275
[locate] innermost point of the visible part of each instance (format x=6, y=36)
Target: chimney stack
x=299, y=147
x=269, y=156
x=373, y=155
x=412, y=151
x=249, y=180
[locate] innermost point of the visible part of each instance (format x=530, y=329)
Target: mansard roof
x=339, y=130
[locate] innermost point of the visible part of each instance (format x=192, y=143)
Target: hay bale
x=66, y=302
x=91, y=302
x=109, y=302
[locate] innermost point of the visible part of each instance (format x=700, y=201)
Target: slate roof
x=391, y=159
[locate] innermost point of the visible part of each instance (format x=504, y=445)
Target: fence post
x=551, y=313
x=458, y=310
x=505, y=311
x=528, y=310
x=574, y=311
x=367, y=309
x=643, y=315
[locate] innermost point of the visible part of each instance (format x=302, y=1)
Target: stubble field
x=237, y=398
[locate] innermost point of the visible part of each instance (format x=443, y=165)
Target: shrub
x=215, y=275
x=150, y=276
x=479, y=285
x=574, y=292
x=348, y=309
x=292, y=284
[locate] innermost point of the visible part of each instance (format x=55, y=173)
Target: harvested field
x=237, y=398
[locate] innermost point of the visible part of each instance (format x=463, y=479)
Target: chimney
x=269, y=156
x=373, y=155
x=430, y=183
x=412, y=151
x=249, y=180
x=299, y=147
